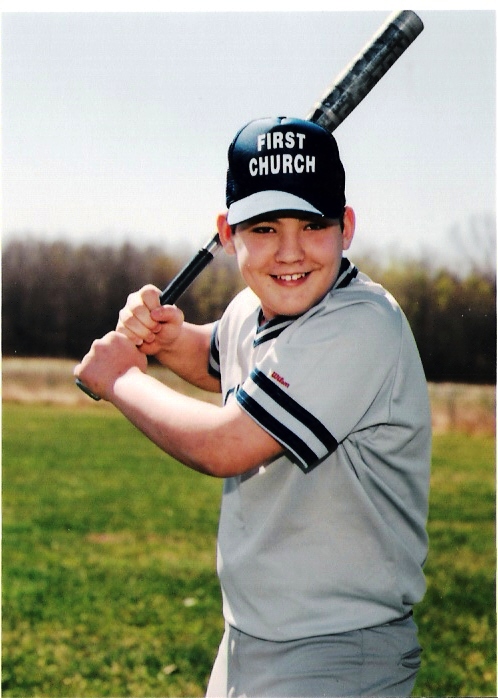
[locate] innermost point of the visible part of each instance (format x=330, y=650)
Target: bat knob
x=86, y=390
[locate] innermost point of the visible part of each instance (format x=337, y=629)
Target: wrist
x=124, y=384
x=170, y=353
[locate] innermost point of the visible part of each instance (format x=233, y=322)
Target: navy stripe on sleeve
x=295, y=409
x=307, y=458
x=214, y=354
x=290, y=423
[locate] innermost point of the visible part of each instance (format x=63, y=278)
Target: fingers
x=167, y=313
x=146, y=322
x=135, y=320
x=108, y=358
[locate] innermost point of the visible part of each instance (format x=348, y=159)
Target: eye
x=320, y=224
x=315, y=225
x=262, y=229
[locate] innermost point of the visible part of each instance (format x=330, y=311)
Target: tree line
x=58, y=297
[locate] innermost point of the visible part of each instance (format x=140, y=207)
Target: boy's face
x=289, y=263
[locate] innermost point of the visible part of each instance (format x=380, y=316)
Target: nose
x=290, y=247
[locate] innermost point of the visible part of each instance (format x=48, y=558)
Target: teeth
x=291, y=277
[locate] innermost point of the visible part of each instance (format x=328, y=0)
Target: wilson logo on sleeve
x=277, y=377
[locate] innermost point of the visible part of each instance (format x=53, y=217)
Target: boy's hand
x=149, y=325
x=109, y=358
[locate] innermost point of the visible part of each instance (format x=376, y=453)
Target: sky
x=116, y=124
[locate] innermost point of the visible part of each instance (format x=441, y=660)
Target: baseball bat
x=348, y=89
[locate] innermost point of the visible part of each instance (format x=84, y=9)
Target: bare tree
x=475, y=245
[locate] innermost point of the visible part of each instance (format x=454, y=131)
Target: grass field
x=109, y=585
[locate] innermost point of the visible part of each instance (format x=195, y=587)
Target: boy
x=323, y=437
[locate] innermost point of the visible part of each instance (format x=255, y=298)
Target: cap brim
x=266, y=202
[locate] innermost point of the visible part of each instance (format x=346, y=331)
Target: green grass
x=457, y=617
x=109, y=584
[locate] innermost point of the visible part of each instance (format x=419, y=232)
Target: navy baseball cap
x=284, y=164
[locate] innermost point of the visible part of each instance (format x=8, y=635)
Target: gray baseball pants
x=379, y=661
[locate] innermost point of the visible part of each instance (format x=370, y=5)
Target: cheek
x=328, y=249
x=242, y=255
x=244, y=264
x=250, y=255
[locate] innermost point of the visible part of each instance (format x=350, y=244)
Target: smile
x=291, y=277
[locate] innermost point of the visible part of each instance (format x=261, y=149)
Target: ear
x=226, y=234
x=349, y=227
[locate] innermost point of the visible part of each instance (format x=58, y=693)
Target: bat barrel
x=366, y=69
x=408, y=22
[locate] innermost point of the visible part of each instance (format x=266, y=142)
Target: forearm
x=188, y=356
x=219, y=441
x=189, y=430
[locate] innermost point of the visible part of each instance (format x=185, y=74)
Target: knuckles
x=109, y=341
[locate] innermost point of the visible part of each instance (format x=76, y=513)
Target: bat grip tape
x=179, y=284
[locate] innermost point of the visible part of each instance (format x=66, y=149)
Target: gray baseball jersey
x=331, y=536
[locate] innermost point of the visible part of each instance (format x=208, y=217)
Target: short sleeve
x=214, y=353
x=325, y=377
